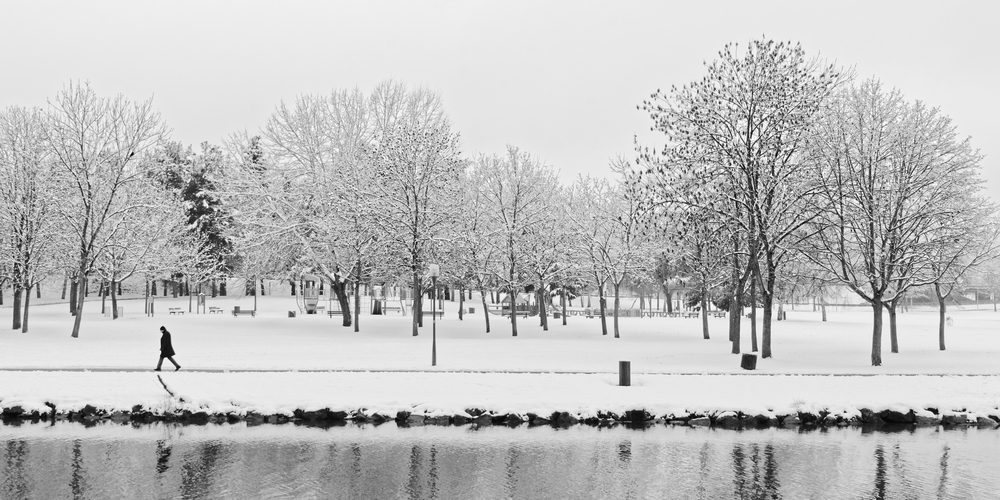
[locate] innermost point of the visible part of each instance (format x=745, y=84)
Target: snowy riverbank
x=315, y=364
x=518, y=395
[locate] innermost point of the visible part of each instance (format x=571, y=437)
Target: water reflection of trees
x=77, y=481
x=435, y=464
x=198, y=467
x=748, y=482
x=15, y=484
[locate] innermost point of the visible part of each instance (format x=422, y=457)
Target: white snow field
x=272, y=363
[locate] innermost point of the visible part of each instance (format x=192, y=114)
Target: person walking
x=166, y=349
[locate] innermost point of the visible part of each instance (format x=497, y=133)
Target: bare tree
x=516, y=189
x=417, y=181
x=887, y=173
x=27, y=207
x=968, y=240
x=473, y=251
x=595, y=233
x=627, y=252
x=734, y=147
x=95, y=145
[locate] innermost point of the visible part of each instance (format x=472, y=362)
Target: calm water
x=67, y=460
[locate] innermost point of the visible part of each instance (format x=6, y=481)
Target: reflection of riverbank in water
x=240, y=461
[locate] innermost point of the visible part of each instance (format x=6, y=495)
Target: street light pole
x=434, y=271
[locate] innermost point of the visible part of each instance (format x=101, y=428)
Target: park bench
x=334, y=312
x=176, y=310
x=215, y=310
x=394, y=307
x=691, y=315
x=240, y=312
x=719, y=314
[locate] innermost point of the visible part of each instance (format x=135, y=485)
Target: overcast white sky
x=560, y=79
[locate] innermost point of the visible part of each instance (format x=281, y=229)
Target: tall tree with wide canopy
x=95, y=145
x=892, y=177
x=734, y=146
x=516, y=192
x=417, y=178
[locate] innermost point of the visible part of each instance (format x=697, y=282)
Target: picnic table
x=176, y=310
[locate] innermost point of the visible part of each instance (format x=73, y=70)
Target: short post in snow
x=749, y=361
x=624, y=373
x=434, y=271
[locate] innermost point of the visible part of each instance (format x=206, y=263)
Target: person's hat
x=163, y=328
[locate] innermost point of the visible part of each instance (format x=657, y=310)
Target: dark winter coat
x=166, y=349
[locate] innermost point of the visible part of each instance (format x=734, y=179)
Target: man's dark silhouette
x=166, y=349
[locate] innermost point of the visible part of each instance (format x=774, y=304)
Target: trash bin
x=291, y=314
x=472, y=310
x=749, y=362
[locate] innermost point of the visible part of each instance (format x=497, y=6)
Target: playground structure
x=310, y=292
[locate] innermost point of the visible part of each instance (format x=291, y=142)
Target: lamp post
x=434, y=271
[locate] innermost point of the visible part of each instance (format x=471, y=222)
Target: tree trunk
x=942, y=309
x=74, y=289
x=542, y=308
x=704, y=310
x=877, y=331
x=340, y=291
x=513, y=313
x=104, y=296
x=564, y=305
x=617, y=303
x=27, y=300
x=81, y=294
x=415, y=309
x=735, y=310
x=114, y=300
x=16, y=292
x=602, y=303
x=753, y=314
x=65, y=282
x=890, y=307
x=146, y=308
x=666, y=296
x=357, y=303
x=768, y=306
x=486, y=312
x=461, y=303
x=294, y=284
x=262, y=287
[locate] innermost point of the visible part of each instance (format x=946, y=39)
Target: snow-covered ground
x=273, y=364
